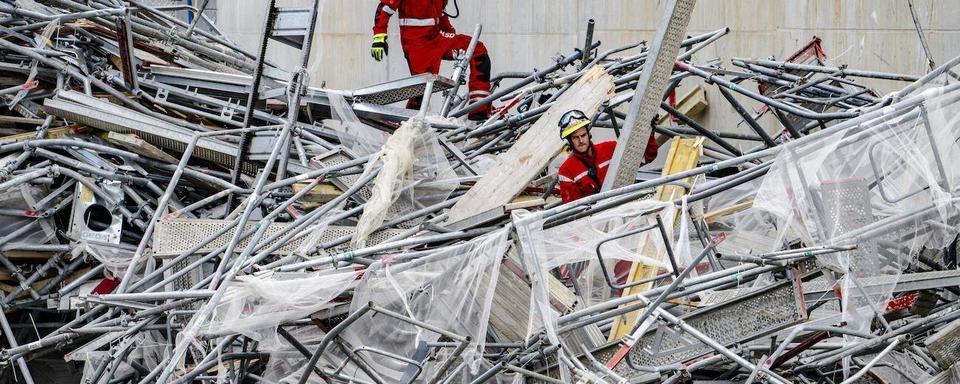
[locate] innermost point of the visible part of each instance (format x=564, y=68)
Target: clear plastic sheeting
x=254, y=305
x=114, y=259
x=286, y=362
x=886, y=186
x=450, y=288
x=360, y=138
x=412, y=168
x=616, y=232
x=149, y=347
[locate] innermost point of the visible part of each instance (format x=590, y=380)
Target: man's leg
x=479, y=83
x=421, y=58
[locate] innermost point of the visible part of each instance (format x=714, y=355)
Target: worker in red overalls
x=427, y=37
x=583, y=172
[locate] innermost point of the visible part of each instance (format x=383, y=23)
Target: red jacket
x=419, y=19
x=574, y=174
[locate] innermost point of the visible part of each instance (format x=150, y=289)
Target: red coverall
x=427, y=37
x=575, y=182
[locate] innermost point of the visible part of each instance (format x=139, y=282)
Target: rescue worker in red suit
x=427, y=37
x=583, y=172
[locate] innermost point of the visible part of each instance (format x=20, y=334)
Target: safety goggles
x=571, y=116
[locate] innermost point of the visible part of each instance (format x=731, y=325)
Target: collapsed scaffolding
x=177, y=209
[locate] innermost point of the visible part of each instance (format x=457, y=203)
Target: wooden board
x=684, y=155
x=712, y=217
x=691, y=104
x=52, y=133
x=509, y=312
x=320, y=194
x=534, y=149
x=136, y=145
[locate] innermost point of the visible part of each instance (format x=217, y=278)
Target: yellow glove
x=379, y=47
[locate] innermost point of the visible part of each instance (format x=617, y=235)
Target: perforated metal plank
x=173, y=237
x=746, y=318
x=945, y=344
x=402, y=89
x=948, y=376
x=606, y=352
x=651, y=86
x=847, y=206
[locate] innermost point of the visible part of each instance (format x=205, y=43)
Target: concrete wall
x=525, y=34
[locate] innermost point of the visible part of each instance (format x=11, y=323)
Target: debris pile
x=177, y=209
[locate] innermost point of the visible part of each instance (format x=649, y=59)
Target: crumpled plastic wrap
x=115, y=260
x=412, y=167
x=254, y=305
x=450, y=288
x=360, y=138
x=576, y=242
x=884, y=186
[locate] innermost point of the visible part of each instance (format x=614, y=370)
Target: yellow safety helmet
x=571, y=121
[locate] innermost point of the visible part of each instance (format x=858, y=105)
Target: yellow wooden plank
x=684, y=155
x=712, y=217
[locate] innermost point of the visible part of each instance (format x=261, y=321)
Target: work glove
x=379, y=47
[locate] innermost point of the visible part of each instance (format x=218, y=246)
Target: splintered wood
x=534, y=149
x=684, y=155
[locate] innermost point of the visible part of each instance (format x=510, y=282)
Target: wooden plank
x=534, y=149
x=319, y=194
x=136, y=145
x=52, y=133
x=684, y=155
x=712, y=217
x=691, y=104
x=509, y=312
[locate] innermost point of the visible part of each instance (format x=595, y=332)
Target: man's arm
x=381, y=18
x=445, y=25
x=568, y=189
x=650, y=153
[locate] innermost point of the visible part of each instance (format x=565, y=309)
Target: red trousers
x=424, y=56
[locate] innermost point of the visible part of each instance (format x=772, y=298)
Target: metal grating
x=945, y=344
x=398, y=90
x=746, y=318
x=173, y=237
x=847, y=206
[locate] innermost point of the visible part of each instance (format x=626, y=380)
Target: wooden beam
x=534, y=149
x=137, y=145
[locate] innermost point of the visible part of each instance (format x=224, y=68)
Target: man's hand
x=379, y=47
